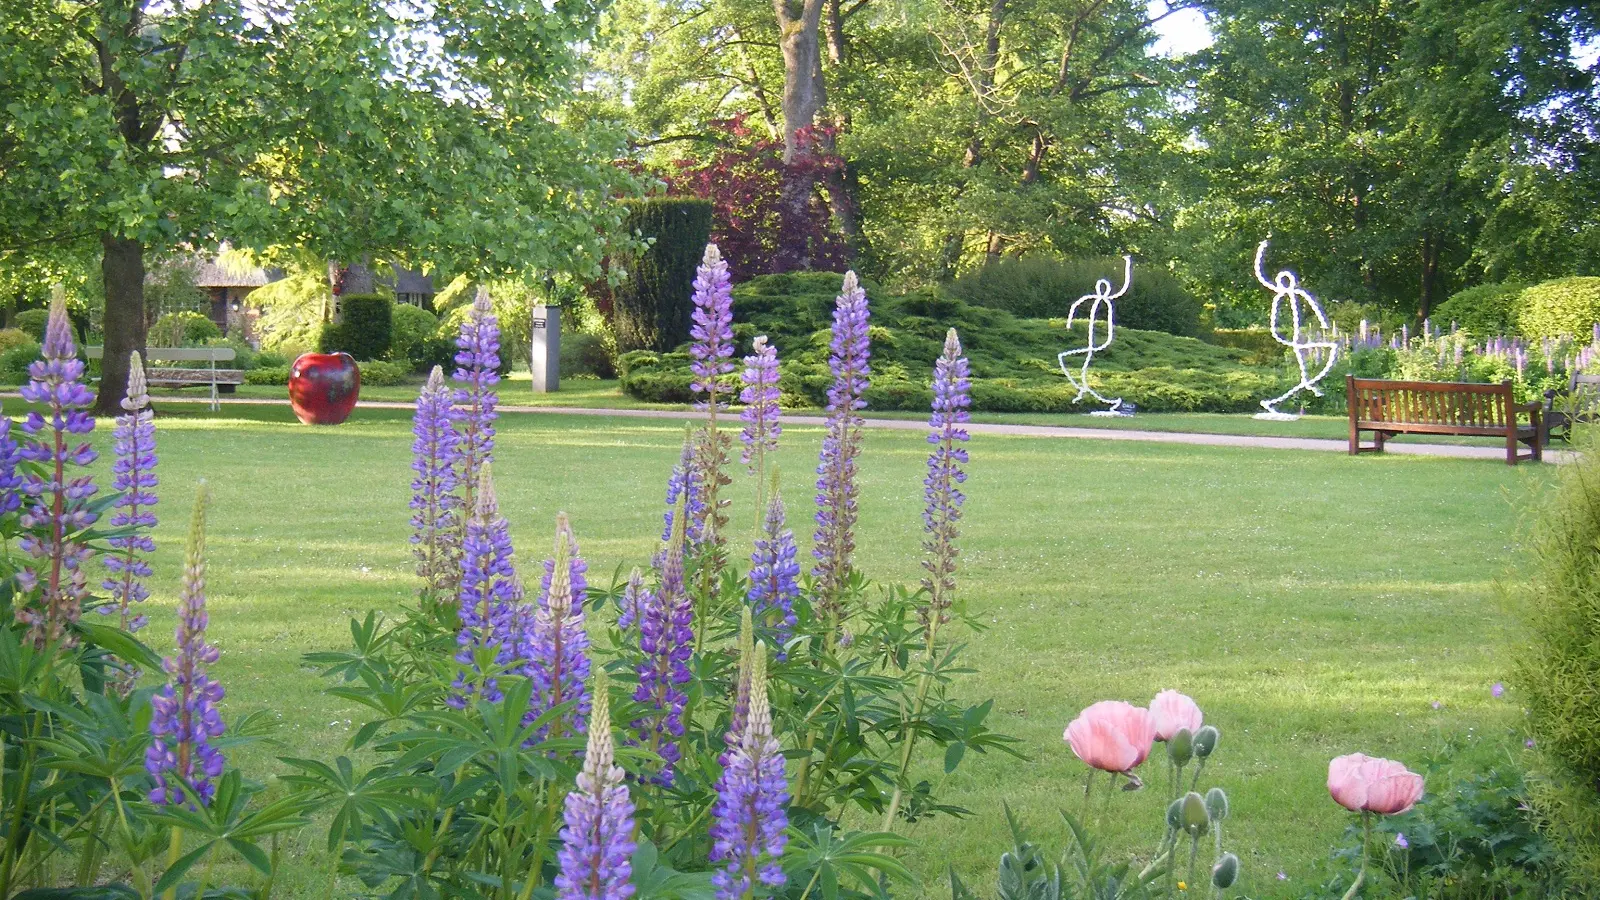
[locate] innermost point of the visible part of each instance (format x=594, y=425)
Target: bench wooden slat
x=176, y=354
x=167, y=377
x=1387, y=408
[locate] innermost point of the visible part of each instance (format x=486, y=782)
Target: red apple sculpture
x=323, y=387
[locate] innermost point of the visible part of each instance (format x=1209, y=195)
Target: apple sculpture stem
x=323, y=387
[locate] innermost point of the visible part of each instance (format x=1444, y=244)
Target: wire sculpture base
x=1276, y=416
x=1111, y=414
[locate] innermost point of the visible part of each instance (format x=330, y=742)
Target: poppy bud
x=1195, y=820
x=1217, y=804
x=1225, y=872
x=1205, y=741
x=1180, y=748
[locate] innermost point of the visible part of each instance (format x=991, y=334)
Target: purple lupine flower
x=774, y=571
x=489, y=594
x=436, y=533
x=750, y=815
x=666, y=636
x=184, y=717
x=477, y=373
x=712, y=331
x=135, y=476
x=683, y=489
x=1497, y=691
x=10, y=478
x=556, y=646
x=628, y=605
x=739, y=715
x=597, y=843
x=760, y=399
x=941, y=514
x=834, y=542
x=57, y=506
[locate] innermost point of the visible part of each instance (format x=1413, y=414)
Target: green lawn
x=1313, y=603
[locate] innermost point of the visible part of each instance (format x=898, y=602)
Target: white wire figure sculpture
x=1101, y=297
x=1303, y=341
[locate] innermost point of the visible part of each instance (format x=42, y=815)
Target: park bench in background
x=1387, y=408
x=1579, y=403
x=219, y=380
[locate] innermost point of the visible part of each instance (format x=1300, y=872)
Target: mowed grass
x=1313, y=603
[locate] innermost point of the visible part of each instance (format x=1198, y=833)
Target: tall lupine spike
x=740, y=713
x=628, y=606
x=10, y=478
x=557, y=650
x=774, y=573
x=666, y=636
x=711, y=350
x=761, y=411
x=750, y=815
x=597, y=843
x=135, y=476
x=184, y=717
x=436, y=530
x=57, y=506
x=683, y=487
x=834, y=543
x=477, y=373
x=490, y=594
x=941, y=515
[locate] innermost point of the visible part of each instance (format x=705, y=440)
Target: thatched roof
x=208, y=274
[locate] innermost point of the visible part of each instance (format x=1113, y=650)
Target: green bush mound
x=1013, y=359
x=184, y=328
x=32, y=322
x=1568, y=306
x=366, y=330
x=1042, y=287
x=1483, y=311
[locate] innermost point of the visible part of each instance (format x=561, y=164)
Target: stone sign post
x=545, y=358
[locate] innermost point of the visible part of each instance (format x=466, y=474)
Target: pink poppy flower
x=1174, y=711
x=1112, y=736
x=1368, y=784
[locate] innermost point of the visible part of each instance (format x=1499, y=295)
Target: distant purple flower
x=597, y=843
x=1437, y=705
x=134, y=443
x=628, y=603
x=184, y=717
x=773, y=574
x=1528, y=743
x=1282, y=876
x=556, y=646
x=477, y=371
x=436, y=531
x=760, y=398
x=489, y=595
x=666, y=636
x=750, y=815
x=10, y=478
x=683, y=488
x=834, y=542
x=1498, y=691
x=941, y=516
x=712, y=331
x=58, y=505
x=1401, y=842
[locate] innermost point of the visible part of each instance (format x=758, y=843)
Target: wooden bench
x=1579, y=404
x=1387, y=408
x=219, y=380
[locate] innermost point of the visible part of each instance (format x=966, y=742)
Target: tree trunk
x=122, y=269
x=1430, y=276
x=803, y=97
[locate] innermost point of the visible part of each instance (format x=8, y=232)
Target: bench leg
x=1511, y=447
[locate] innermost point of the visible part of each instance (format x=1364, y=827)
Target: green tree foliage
x=342, y=126
x=413, y=327
x=183, y=329
x=1392, y=148
x=365, y=330
x=1569, y=306
x=652, y=307
x=1044, y=288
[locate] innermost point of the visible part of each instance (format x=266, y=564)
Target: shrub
x=272, y=359
x=1558, y=673
x=586, y=354
x=268, y=375
x=412, y=327
x=14, y=362
x=1258, y=344
x=652, y=307
x=1482, y=311
x=1563, y=306
x=31, y=322
x=184, y=328
x=1040, y=287
x=378, y=373
x=11, y=338
x=366, y=329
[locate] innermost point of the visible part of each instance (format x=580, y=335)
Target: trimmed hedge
x=185, y=328
x=366, y=329
x=411, y=328
x=32, y=322
x=1013, y=360
x=652, y=307
x=1564, y=306
x=1041, y=287
x=1482, y=311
